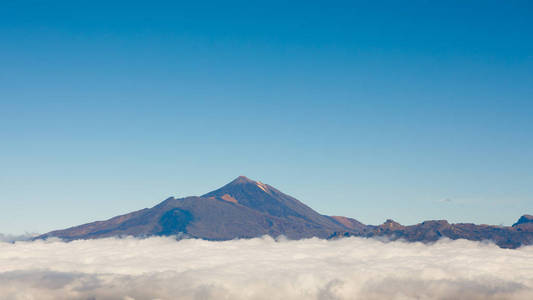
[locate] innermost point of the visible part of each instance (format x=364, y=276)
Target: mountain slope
x=430, y=231
x=266, y=199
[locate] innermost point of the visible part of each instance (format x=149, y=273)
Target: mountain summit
x=266, y=199
x=242, y=180
x=245, y=208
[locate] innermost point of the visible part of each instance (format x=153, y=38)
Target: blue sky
x=369, y=109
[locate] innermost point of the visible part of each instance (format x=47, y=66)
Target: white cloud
x=262, y=268
x=13, y=238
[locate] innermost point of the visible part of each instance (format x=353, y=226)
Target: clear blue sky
x=409, y=110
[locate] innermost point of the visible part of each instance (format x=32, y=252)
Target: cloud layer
x=263, y=268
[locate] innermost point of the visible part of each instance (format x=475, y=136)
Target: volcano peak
x=242, y=179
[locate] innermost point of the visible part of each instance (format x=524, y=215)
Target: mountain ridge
x=246, y=208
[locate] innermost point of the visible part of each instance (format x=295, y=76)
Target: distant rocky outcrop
x=524, y=220
x=524, y=224
x=521, y=233
x=245, y=208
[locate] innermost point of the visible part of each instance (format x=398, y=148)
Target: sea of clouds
x=262, y=268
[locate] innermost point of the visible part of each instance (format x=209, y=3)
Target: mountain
x=245, y=208
x=241, y=209
x=525, y=219
x=430, y=231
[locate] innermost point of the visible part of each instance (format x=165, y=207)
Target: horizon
x=421, y=111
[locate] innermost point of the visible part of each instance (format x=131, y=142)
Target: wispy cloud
x=263, y=268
